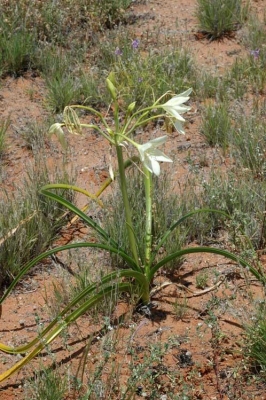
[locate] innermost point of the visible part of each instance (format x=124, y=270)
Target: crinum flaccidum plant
x=120, y=135
x=139, y=269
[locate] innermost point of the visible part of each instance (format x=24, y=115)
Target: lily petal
x=158, y=141
x=179, y=127
x=150, y=156
x=155, y=167
x=174, y=108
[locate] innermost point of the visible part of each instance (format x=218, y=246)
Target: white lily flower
x=150, y=155
x=174, y=108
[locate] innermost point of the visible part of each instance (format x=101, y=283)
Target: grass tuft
x=28, y=223
x=218, y=18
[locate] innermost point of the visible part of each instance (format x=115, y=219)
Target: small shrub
x=202, y=280
x=242, y=198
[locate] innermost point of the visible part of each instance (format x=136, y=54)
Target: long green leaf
x=85, y=292
x=72, y=187
x=122, y=287
x=89, y=221
x=48, y=253
x=225, y=253
x=182, y=219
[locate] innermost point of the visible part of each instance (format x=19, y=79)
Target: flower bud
x=111, y=88
x=131, y=107
x=56, y=129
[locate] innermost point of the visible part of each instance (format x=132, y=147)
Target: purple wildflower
x=255, y=54
x=118, y=52
x=135, y=43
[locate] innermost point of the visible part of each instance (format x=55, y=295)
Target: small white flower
x=150, y=155
x=174, y=108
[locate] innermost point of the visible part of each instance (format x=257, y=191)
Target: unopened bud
x=131, y=107
x=111, y=88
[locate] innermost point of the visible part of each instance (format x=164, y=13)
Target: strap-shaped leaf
x=182, y=219
x=74, y=188
x=190, y=250
x=140, y=278
x=48, y=253
x=88, y=220
x=121, y=287
x=186, y=216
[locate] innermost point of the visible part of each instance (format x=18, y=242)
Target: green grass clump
x=244, y=200
x=216, y=125
x=4, y=125
x=217, y=18
x=208, y=85
x=28, y=223
x=63, y=90
x=35, y=133
x=17, y=50
x=48, y=384
x=236, y=78
x=249, y=144
x=255, y=36
x=255, y=347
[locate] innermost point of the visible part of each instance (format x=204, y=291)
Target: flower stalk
x=148, y=229
x=123, y=186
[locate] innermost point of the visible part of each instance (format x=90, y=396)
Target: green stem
x=93, y=111
x=145, y=291
x=148, y=231
x=123, y=185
